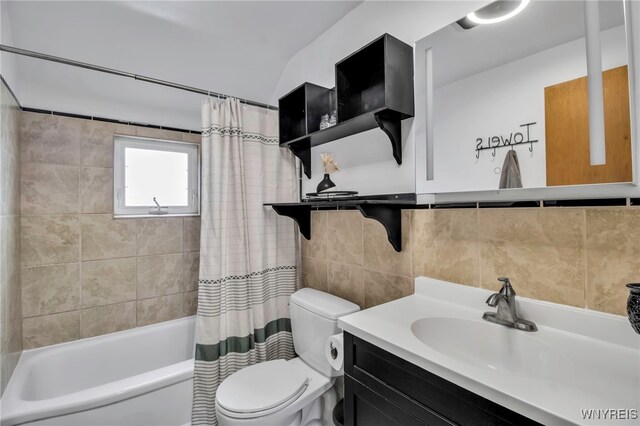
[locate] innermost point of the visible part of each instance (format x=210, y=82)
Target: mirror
x=516, y=105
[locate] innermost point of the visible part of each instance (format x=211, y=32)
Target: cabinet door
x=364, y=407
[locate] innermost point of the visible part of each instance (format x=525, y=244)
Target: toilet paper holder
x=334, y=350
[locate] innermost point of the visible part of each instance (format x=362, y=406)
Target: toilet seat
x=261, y=389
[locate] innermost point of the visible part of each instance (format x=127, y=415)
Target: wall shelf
x=385, y=209
x=374, y=88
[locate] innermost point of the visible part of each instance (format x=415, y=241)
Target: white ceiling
x=234, y=47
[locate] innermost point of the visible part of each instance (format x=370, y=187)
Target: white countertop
x=600, y=353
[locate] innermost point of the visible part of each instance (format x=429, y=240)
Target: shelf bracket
x=300, y=214
x=302, y=150
x=390, y=217
x=391, y=124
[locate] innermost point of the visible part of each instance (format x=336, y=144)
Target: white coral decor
x=329, y=163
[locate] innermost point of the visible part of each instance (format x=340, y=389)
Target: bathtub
x=141, y=377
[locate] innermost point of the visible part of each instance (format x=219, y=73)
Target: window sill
x=146, y=216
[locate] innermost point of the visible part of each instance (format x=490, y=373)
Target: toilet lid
x=261, y=387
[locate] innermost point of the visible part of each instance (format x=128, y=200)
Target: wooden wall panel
x=567, y=131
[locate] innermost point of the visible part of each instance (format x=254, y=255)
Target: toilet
x=294, y=392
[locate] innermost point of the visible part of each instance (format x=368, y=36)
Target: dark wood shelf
x=385, y=209
x=374, y=89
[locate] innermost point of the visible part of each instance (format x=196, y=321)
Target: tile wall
x=575, y=256
x=10, y=315
x=85, y=273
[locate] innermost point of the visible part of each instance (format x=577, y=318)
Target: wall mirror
x=530, y=107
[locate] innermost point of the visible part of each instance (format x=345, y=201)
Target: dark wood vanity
x=383, y=389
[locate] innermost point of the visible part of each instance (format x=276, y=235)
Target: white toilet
x=288, y=393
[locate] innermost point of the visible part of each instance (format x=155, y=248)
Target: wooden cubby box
x=374, y=88
x=377, y=77
x=301, y=111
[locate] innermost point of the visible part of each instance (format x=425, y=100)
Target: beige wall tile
x=96, y=148
x=190, y=303
x=191, y=270
x=96, y=190
x=346, y=281
x=50, y=289
x=160, y=236
x=382, y=288
x=10, y=286
x=51, y=139
x=380, y=255
x=192, y=137
x=191, y=233
x=444, y=245
x=49, y=239
x=109, y=281
x=345, y=237
x=150, y=132
x=10, y=183
x=50, y=329
x=107, y=319
x=158, y=309
x=104, y=237
x=314, y=273
x=613, y=257
x=9, y=246
x=49, y=188
x=317, y=245
x=541, y=250
x=159, y=275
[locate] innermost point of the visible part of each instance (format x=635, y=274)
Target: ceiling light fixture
x=497, y=11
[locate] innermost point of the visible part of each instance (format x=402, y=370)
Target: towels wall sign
x=522, y=136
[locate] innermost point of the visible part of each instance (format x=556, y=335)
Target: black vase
x=325, y=184
x=633, y=306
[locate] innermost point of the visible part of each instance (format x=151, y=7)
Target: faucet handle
x=506, y=290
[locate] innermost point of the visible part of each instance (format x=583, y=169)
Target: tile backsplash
x=10, y=305
x=85, y=273
x=575, y=256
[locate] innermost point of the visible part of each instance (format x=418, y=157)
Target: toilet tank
x=314, y=317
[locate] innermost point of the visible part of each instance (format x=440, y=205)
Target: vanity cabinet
x=383, y=389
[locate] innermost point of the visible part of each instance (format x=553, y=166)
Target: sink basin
x=487, y=345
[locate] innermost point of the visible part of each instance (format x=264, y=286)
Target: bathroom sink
x=578, y=359
x=487, y=345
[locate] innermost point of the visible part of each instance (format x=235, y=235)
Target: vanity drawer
x=443, y=399
x=367, y=407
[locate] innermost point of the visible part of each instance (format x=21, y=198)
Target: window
x=155, y=177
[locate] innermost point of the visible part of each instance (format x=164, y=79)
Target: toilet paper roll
x=334, y=351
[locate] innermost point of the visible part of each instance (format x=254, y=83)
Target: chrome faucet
x=506, y=314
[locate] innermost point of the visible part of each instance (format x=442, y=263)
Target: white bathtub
x=141, y=377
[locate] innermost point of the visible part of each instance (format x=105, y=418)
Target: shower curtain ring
x=477, y=153
x=494, y=151
x=531, y=147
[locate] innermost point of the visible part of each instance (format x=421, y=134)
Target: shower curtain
x=247, y=252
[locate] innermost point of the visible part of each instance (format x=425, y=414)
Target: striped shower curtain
x=247, y=252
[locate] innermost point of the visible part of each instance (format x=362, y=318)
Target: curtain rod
x=51, y=58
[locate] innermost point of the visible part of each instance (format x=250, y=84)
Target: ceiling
x=234, y=47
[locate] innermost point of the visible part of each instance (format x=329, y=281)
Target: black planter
x=325, y=184
x=633, y=306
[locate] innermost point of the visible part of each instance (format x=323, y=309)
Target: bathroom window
x=155, y=177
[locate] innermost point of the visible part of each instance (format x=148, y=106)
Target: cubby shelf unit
x=386, y=209
x=374, y=88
